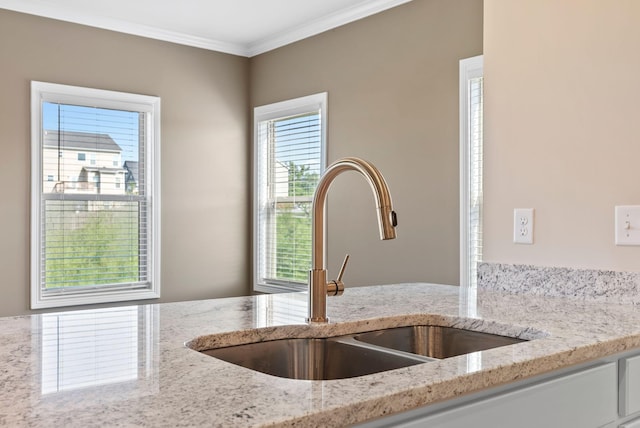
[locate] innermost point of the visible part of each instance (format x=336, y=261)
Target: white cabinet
x=629, y=386
x=584, y=399
x=605, y=393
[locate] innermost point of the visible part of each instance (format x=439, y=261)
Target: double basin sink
x=358, y=354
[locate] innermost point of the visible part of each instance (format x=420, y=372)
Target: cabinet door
x=629, y=386
x=582, y=400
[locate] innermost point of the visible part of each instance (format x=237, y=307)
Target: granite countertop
x=129, y=366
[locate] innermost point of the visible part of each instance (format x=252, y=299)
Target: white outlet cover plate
x=627, y=225
x=523, y=225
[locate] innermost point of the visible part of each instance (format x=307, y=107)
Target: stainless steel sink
x=435, y=341
x=314, y=359
x=357, y=354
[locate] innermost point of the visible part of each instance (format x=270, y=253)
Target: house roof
x=132, y=167
x=88, y=141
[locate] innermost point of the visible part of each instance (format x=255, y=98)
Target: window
x=92, y=241
x=289, y=157
x=471, y=129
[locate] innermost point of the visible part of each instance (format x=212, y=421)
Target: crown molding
x=322, y=24
x=47, y=10
x=317, y=26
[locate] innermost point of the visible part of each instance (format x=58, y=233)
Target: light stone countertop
x=129, y=366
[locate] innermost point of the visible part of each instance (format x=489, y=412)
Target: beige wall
x=562, y=128
x=205, y=116
x=392, y=81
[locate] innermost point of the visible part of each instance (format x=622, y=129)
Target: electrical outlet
x=523, y=225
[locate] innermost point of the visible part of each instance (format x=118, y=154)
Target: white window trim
x=41, y=92
x=469, y=69
x=269, y=112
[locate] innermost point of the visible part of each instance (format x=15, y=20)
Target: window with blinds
x=471, y=143
x=94, y=196
x=289, y=159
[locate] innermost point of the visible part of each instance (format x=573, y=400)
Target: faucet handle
x=336, y=287
x=342, y=268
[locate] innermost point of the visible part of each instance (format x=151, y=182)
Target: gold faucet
x=319, y=288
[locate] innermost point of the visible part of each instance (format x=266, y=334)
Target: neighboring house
x=131, y=176
x=82, y=162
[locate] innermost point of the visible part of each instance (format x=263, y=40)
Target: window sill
x=275, y=289
x=94, y=297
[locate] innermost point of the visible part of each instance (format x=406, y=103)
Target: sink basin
x=314, y=359
x=356, y=354
x=435, y=341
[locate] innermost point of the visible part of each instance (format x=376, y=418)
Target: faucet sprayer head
x=387, y=222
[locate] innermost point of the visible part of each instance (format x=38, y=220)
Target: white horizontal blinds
x=475, y=175
x=291, y=173
x=94, y=210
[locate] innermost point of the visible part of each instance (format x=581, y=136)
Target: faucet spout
x=387, y=221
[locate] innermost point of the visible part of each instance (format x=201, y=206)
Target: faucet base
x=317, y=321
x=317, y=296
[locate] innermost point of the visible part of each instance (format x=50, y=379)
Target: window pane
x=72, y=132
x=92, y=243
x=296, y=142
x=89, y=240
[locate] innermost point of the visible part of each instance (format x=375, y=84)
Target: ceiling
x=239, y=27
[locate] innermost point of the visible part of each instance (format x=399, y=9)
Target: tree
x=302, y=182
